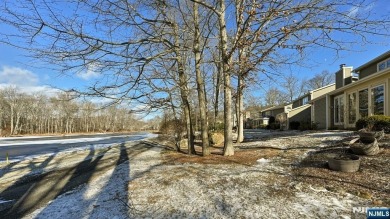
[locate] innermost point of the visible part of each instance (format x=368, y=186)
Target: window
x=305, y=100
x=338, y=110
x=377, y=100
x=352, y=108
x=383, y=65
x=363, y=103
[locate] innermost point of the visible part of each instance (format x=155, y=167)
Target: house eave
x=341, y=89
x=377, y=59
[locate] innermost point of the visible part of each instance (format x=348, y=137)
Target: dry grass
x=371, y=182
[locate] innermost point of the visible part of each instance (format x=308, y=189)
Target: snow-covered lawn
x=163, y=184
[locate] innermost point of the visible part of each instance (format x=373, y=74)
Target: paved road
x=33, y=191
x=17, y=148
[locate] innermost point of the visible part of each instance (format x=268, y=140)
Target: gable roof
x=274, y=107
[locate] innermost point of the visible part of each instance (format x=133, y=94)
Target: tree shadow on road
x=106, y=191
x=18, y=189
x=37, y=190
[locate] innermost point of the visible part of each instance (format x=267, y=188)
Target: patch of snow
x=146, y=187
x=263, y=161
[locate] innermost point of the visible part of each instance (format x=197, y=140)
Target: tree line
x=37, y=113
x=195, y=58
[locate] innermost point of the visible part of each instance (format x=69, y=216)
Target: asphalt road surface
x=17, y=148
x=32, y=191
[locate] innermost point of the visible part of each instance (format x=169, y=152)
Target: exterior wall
x=383, y=80
x=299, y=102
x=272, y=112
x=296, y=103
x=319, y=114
x=369, y=70
x=302, y=113
x=277, y=111
x=321, y=92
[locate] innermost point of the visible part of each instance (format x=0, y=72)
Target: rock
x=377, y=202
x=183, y=143
x=217, y=139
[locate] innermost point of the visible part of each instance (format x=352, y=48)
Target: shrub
x=378, y=122
x=294, y=125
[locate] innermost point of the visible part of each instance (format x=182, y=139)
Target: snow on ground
x=146, y=187
x=66, y=141
x=87, y=145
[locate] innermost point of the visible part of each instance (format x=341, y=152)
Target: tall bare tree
x=293, y=86
x=320, y=80
x=200, y=84
x=123, y=41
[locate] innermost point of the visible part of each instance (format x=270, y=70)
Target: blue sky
x=16, y=68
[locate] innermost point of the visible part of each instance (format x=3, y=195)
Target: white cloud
x=48, y=91
x=18, y=76
x=89, y=73
x=24, y=80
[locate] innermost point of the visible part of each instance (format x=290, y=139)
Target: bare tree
x=123, y=41
x=292, y=86
x=320, y=80
x=274, y=97
x=200, y=83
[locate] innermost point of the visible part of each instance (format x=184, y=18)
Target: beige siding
x=385, y=79
x=320, y=92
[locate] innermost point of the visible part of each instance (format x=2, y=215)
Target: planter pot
x=345, y=163
x=367, y=137
x=361, y=148
x=370, y=136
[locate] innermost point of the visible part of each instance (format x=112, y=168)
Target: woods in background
x=22, y=113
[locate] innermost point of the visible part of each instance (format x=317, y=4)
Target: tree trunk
x=12, y=120
x=184, y=94
x=177, y=144
x=200, y=87
x=241, y=68
x=217, y=85
x=240, y=107
x=228, y=149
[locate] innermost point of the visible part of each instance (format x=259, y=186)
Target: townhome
x=278, y=112
x=359, y=93
x=302, y=109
